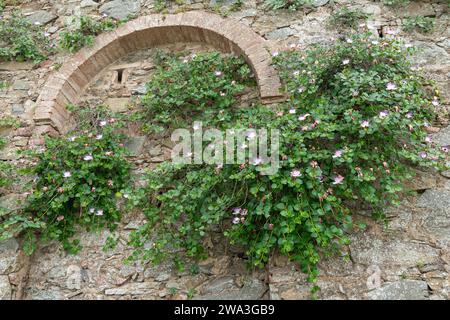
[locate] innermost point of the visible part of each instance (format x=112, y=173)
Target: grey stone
x=370, y=249
x=446, y=174
x=442, y=138
x=17, y=109
x=135, y=145
x=5, y=288
x=9, y=246
x=225, y=289
x=401, y=290
x=21, y=85
x=139, y=90
x=280, y=34
x=437, y=199
x=319, y=3
x=41, y=17
x=225, y=3
x=155, y=151
x=134, y=288
x=88, y=4
x=121, y=9
x=9, y=264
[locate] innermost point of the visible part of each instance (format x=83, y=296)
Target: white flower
x=88, y=157
x=365, y=124
x=99, y=136
x=103, y=123
x=91, y=210
x=391, y=86
x=296, y=73
x=46, y=34
x=374, y=42
x=243, y=146
x=295, y=173
x=349, y=41
x=99, y=212
x=409, y=115
x=435, y=103
x=236, y=220
x=37, y=23
x=237, y=211
x=338, y=154
x=301, y=89
x=303, y=117
x=292, y=111
x=383, y=114
x=72, y=139
x=346, y=61
x=67, y=174
x=126, y=195
x=196, y=126
x=338, y=179
x=218, y=73
x=276, y=53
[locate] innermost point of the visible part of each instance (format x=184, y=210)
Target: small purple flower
x=88, y=157
x=103, y=123
x=338, y=154
x=423, y=155
x=445, y=149
x=338, y=179
x=236, y=220
x=428, y=139
x=292, y=111
x=275, y=54
x=365, y=124
x=383, y=114
x=409, y=115
x=391, y=86
x=295, y=173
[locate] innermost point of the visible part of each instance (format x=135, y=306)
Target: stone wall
x=408, y=258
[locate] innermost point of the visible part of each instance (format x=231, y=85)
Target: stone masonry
x=407, y=258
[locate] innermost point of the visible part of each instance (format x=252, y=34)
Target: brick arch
x=225, y=34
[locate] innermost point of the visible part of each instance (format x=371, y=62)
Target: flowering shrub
x=353, y=127
x=21, y=41
x=200, y=87
x=85, y=32
x=77, y=181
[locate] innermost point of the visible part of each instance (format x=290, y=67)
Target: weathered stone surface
x=135, y=145
x=226, y=289
x=88, y=4
x=16, y=66
x=5, y=288
x=319, y=3
x=136, y=289
x=41, y=17
x=118, y=104
x=369, y=249
x=401, y=290
x=442, y=137
x=281, y=33
x=121, y=9
x=435, y=199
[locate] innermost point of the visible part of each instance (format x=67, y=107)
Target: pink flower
x=435, y=103
x=428, y=139
x=391, y=86
x=270, y=226
x=295, y=173
x=423, y=155
x=275, y=54
x=365, y=124
x=409, y=115
x=383, y=114
x=445, y=148
x=338, y=179
x=337, y=154
x=102, y=123
x=218, y=73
